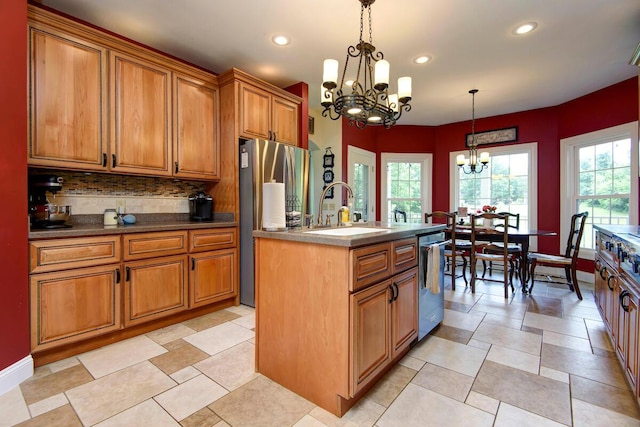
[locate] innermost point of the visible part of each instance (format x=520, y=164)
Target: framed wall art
x=494, y=136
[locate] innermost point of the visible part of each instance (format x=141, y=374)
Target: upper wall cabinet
x=140, y=116
x=67, y=104
x=98, y=102
x=268, y=116
x=196, y=131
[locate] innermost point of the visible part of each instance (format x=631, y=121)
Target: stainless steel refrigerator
x=267, y=161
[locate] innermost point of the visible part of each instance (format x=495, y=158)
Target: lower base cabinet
x=68, y=306
x=154, y=288
x=212, y=277
x=627, y=330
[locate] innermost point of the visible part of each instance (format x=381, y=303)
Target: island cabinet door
x=404, y=311
x=68, y=306
x=370, y=328
x=212, y=277
x=154, y=288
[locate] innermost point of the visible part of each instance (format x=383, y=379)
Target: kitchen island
x=335, y=312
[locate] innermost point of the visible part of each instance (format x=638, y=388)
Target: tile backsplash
x=93, y=193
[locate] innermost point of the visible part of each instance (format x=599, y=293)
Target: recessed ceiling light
x=348, y=83
x=281, y=40
x=525, y=28
x=422, y=59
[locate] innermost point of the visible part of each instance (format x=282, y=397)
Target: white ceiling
x=579, y=46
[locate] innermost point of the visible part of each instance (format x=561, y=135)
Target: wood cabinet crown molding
x=235, y=74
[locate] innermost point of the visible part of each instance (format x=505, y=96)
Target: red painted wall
x=14, y=300
x=611, y=106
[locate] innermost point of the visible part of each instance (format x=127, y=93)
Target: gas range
x=622, y=243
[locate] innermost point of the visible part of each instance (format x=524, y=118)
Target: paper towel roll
x=273, y=217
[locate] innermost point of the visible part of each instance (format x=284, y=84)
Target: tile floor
x=541, y=360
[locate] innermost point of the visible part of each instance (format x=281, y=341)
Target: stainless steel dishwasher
x=430, y=303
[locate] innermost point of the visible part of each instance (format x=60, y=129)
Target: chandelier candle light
x=473, y=164
x=368, y=102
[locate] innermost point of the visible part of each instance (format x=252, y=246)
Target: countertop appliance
x=263, y=161
x=430, y=304
x=42, y=213
x=201, y=207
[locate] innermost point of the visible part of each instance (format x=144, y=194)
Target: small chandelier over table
x=473, y=164
x=367, y=101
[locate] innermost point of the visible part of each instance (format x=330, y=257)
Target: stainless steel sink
x=347, y=231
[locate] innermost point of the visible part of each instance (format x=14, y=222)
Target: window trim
x=427, y=173
x=568, y=184
x=532, y=149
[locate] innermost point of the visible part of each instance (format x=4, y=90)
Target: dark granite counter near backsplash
x=92, y=225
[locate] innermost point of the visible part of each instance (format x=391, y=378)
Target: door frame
x=359, y=155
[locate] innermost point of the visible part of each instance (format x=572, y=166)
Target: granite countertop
x=618, y=229
x=387, y=232
x=149, y=223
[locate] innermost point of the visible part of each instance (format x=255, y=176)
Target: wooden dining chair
x=514, y=248
x=569, y=261
x=481, y=238
x=451, y=251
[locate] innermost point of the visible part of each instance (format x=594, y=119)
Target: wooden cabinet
x=404, y=309
x=67, y=101
x=371, y=331
x=268, y=116
x=606, y=279
x=140, y=116
x=212, y=277
x=196, y=131
x=62, y=254
x=627, y=329
x=71, y=305
x=334, y=303
x=154, y=288
x=99, y=103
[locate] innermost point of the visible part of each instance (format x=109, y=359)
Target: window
x=362, y=179
x=509, y=183
x=405, y=187
x=600, y=171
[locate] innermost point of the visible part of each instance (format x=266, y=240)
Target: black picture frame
x=496, y=136
x=329, y=194
x=328, y=160
x=327, y=176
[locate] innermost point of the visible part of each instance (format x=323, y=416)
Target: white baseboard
x=13, y=375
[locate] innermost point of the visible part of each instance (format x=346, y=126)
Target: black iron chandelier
x=473, y=164
x=368, y=101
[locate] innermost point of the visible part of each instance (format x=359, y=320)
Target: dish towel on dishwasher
x=432, y=278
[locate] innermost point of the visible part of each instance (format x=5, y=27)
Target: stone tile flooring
x=540, y=360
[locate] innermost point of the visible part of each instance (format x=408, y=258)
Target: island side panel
x=302, y=318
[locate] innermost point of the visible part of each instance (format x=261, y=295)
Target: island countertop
x=384, y=232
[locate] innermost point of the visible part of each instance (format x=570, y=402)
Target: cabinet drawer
x=147, y=245
x=405, y=254
x=63, y=254
x=212, y=239
x=369, y=265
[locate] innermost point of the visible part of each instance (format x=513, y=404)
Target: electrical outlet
x=332, y=206
x=120, y=206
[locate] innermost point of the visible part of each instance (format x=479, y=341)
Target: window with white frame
x=406, y=188
x=600, y=174
x=509, y=183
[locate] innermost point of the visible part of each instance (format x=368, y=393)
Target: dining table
x=520, y=236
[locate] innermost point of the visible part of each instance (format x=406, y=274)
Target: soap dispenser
x=346, y=214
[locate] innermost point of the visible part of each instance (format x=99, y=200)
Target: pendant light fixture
x=473, y=164
x=366, y=101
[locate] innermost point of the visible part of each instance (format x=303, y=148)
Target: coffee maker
x=201, y=207
x=43, y=214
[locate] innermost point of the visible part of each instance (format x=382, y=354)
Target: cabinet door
x=72, y=305
x=196, y=129
x=404, y=311
x=627, y=322
x=140, y=116
x=154, y=288
x=68, y=104
x=284, y=120
x=255, y=114
x=212, y=277
x=370, y=328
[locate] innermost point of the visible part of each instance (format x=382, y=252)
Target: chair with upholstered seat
x=514, y=248
x=451, y=251
x=480, y=240
x=569, y=261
